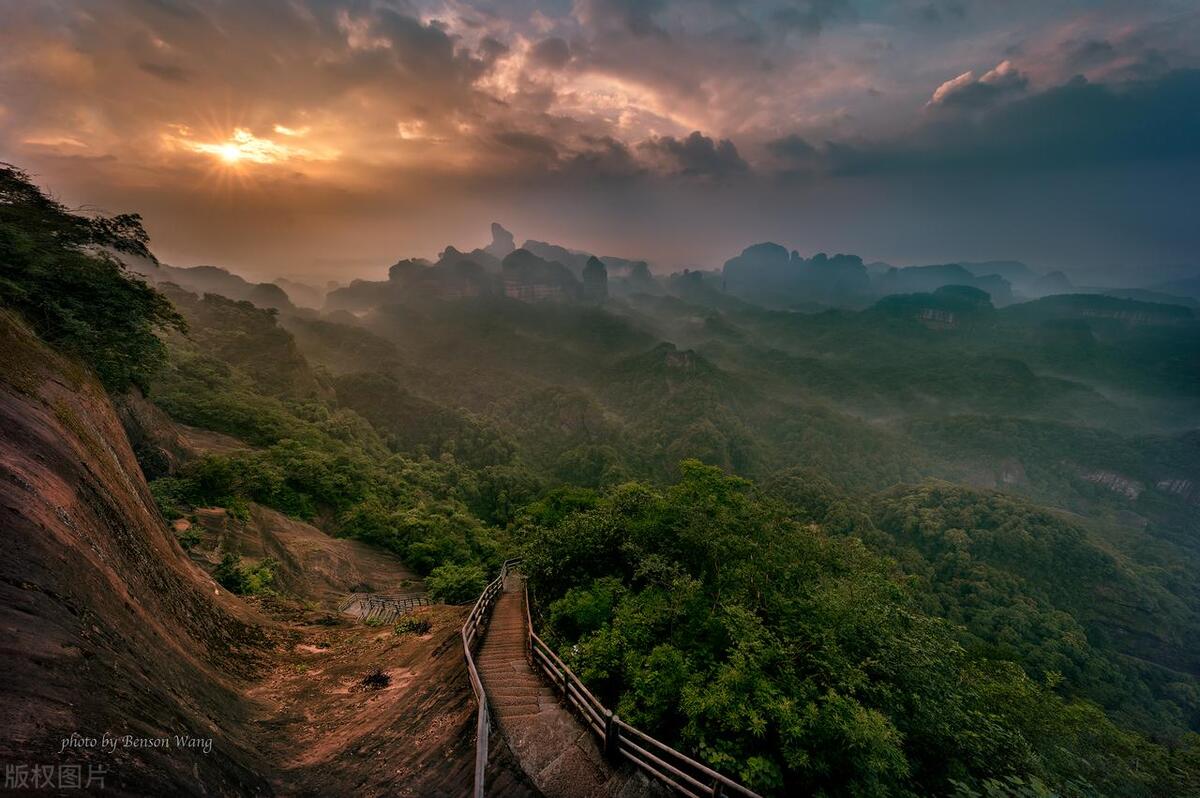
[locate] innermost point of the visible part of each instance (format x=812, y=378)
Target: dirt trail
x=559, y=754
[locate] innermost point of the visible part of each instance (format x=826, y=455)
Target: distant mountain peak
x=503, y=242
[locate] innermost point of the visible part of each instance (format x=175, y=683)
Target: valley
x=924, y=543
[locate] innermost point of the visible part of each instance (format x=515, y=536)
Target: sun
x=229, y=153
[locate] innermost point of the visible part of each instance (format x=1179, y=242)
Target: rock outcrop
x=108, y=629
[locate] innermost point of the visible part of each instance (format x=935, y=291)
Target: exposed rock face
x=502, y=242
x=1012, y=472
x=1052, y=283
x=682, y=361
x=641, y=280
x=107, y=627
x=1181, y=487
x=309, y=562
x=768, y=273
x=595, y=280
x=935, y=317
x=359, y=296
x=573, y=259
x=530, y=278
x=155, y=440
x=1129, y=488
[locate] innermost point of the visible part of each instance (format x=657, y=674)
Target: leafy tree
x=800, y=662
x=245, y=580
x=60, y=270
x=456, y=584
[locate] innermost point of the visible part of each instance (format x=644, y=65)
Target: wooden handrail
x=470, y=630
x=678, y=771
x=681, y=773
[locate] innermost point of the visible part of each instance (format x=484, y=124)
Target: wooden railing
x=619, y=740
x=384, y=607
x=470, y=631
x=679, y=772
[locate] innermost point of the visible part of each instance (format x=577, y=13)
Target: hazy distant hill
x=214, y=280
x=1186, y=286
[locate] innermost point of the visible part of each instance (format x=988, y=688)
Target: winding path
x=558, y=753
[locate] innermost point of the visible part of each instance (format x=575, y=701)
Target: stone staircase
x=558, y=753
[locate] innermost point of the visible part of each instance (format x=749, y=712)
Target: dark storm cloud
x=810, y=16
x=696, y=156
x=633, y=16
x=1077, y=124
x=398, y=119
x=1091, y=53
x=792, y=147
x=938, y=12
x=603, y=157
x=174, y=74
x=491, y=50
x=528, y=142
x=553, y=53
x=426, y=49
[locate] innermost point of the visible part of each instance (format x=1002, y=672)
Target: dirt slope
x=310, y=564
x=107, y=627
x=103, y=626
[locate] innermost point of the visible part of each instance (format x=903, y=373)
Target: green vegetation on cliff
x=929, y=547
x=58, y=271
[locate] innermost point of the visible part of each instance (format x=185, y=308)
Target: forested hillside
x=924, y=545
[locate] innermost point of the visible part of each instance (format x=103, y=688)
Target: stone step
x=513, y=663
x=506, y=712
x=511, y=678
x=517, y=690
x=514, y=702
x=515, y=680
x=525, y=686
x=533, y=685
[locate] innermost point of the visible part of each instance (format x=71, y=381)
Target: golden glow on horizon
x=242, y=147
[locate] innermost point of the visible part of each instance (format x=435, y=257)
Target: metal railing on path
x=383, y=607
x=619, y=740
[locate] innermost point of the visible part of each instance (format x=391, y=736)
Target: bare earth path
x=553, y=747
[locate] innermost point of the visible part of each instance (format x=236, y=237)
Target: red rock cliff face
x=105, y=627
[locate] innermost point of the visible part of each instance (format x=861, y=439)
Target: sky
x=323, y=140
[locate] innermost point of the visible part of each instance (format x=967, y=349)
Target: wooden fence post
x=612, y=736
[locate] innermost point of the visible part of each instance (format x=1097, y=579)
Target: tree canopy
x=60, y=270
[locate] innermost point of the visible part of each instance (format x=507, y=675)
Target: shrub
x=189, y=539
x=413, y=625
x=377, y=679
x=456, y=584
x=245, y=580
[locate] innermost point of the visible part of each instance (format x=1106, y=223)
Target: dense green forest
x=842, y=552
